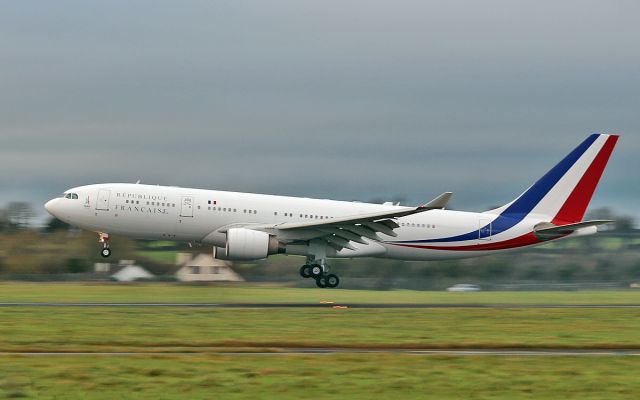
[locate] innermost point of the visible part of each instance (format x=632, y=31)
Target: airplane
x=248, y=226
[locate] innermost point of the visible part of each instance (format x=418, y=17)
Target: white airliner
x=246, y=226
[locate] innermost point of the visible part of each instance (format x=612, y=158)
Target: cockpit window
x=71, y=196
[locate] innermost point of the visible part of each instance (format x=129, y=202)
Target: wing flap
x=345, y=234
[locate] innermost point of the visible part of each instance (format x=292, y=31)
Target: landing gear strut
x=318, y=270
x=106, y=250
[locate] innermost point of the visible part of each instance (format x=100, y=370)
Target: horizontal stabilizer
x=547, y=231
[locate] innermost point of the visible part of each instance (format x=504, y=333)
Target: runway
x=373, y=351
x=318, y=305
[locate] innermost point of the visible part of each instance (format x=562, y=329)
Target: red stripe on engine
x=576, y=204
x=524, y=240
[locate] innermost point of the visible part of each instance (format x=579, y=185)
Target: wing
x=340, y=232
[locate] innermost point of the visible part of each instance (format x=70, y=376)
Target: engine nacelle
x=247, y=244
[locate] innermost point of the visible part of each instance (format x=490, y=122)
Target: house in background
x=125, y=271
x=204, y=268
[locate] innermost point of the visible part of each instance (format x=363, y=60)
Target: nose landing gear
x=106, y=250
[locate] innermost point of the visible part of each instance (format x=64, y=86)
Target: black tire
x=321, y=281
x=332, y=280
x=105, y=252
x=305, y=271
x=316, y=270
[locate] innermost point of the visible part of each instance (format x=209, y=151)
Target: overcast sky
x=349, y=100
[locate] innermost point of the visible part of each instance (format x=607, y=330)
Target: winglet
x=439, y=202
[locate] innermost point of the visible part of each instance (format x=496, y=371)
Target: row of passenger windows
x=151, y=203
x=413, y=225
x=229, y=209
x=308, y=216
x=313, y=216
x=249, y=211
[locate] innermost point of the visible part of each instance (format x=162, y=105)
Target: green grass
x=344, y=376
x=281, y=376
x=174, y=293
x=200, y=330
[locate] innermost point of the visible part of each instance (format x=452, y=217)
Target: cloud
x=347, y=100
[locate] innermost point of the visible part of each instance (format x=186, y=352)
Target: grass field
x=175, y=293
x=278, y=376
x=193, y=330
x=350, y=376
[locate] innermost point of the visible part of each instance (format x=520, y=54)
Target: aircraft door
x=103, y=200
x=186, y=206
x=484, y=229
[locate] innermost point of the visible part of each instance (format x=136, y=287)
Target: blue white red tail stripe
x=561, y=196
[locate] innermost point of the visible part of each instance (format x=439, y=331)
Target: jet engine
x=247, y=244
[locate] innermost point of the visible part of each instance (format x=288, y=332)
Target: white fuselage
x=195, y=215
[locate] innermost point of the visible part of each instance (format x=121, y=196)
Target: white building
x=204, y=268
x=125, y=271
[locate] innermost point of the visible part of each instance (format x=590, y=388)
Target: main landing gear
x=106, y=250
x=319, y=273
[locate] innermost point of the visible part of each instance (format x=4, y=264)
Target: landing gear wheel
x=321, y=281
x=305, y=271
x=332, y=281
x=316, y=270
x=105, y=252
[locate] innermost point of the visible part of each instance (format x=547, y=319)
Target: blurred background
x=358, y=100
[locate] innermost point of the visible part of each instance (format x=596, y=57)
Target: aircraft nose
x=50, y=207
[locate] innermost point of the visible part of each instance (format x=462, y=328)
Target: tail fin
x=564, y=192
